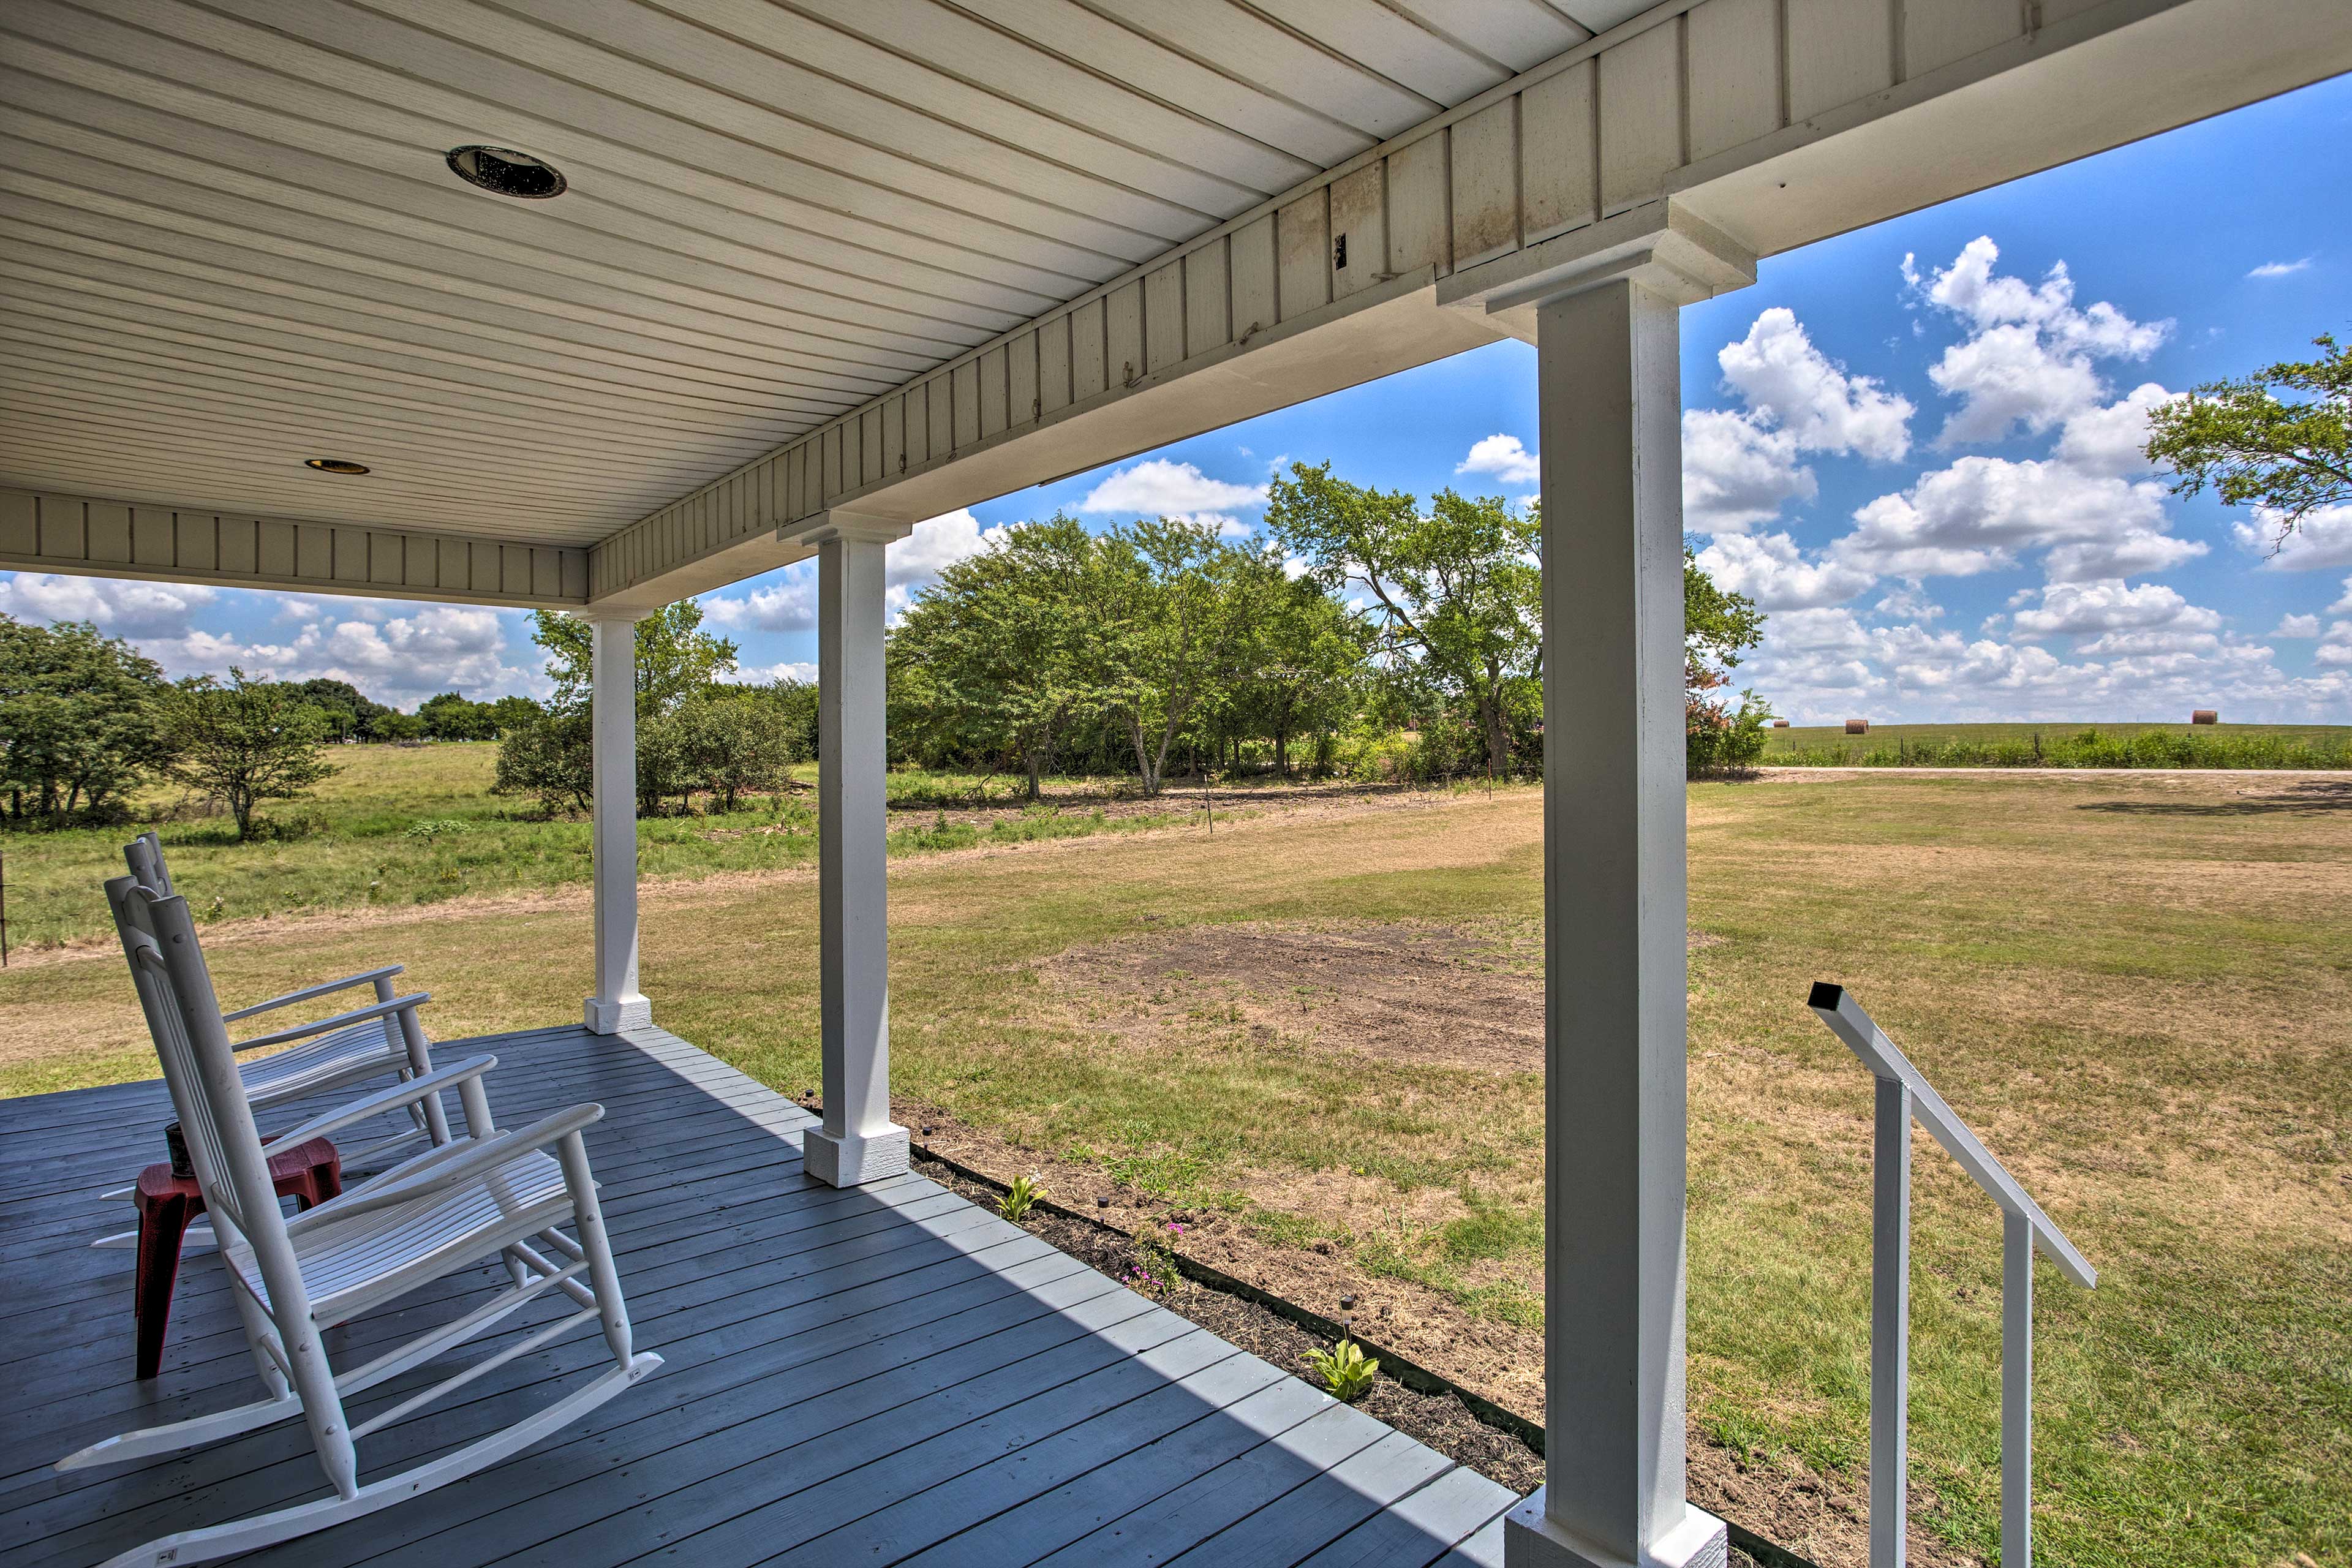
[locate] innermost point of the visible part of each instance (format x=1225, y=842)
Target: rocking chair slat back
x=134, y=920
x=145, y=854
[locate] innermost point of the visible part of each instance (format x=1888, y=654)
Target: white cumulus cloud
x=1769, y=569
x=118, y=607
x=2030, y=360
x=1737, y=471
x=2279, y=268
x=764, y=674
x=2080, y=505
x=2089, y=608
x=1157, y=486
x=2322, y=541
x=1504, y=458
x=1784, y=379
x=1742, y=467
x=788, y=601
x=787, y=604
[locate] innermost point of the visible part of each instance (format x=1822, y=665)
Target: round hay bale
x=1779, y=724
x=2205, y=716
x=1857, y=726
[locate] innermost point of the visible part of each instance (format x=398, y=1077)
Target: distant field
x=2062, y=745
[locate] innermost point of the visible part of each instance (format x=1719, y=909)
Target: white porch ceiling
x=232, y=242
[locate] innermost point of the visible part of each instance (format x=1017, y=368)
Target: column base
x=630, y=1012
x=854, y=1159
x=1531, y=1541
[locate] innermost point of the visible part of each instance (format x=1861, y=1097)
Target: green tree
x=1459, y=587
x=1171, y=630
x=1718, y=625
x=509, y=712
x=449, y=717
x=245, y=743
x=2288, y=456
x=1306, y=660
x=79, y=720
x=676, y=657
x=350, y=714
x=998, y=655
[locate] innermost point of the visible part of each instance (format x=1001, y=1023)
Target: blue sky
x=1913, y=445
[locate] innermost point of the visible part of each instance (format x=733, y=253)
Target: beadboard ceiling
x=233, y=241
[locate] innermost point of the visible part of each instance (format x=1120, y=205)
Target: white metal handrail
x=1903, y=1096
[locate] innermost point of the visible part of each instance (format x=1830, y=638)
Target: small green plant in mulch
x=1155, y=1271
x=1345, y=1370
x=1026, y=1190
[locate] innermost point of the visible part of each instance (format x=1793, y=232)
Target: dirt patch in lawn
x=1455, y=997
x=1407, y=992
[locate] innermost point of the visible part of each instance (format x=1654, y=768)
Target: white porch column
x=859, y=1142
x=1606, y=335
x=613, y=687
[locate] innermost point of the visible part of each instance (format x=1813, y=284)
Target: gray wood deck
x=885, y=1375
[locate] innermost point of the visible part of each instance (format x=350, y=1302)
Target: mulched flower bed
x=1441, y=1421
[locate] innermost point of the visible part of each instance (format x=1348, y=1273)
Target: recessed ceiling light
x=334, y=465
x=507, y=173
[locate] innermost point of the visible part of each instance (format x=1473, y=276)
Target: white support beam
x=1615, y=962
x=179, y=542
x=617, y=1005
x=858, y=1143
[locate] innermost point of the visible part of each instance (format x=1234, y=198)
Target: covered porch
x=880, y=1374
x=824, y=273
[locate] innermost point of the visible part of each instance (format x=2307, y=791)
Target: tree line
x=1365, y=635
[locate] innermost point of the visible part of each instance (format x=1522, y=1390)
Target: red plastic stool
x=309, y=1174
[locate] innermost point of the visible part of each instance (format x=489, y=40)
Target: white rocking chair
x=351, y=1048
x=490, y=1194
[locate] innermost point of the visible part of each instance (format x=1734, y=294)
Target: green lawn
x=2137, y=990
x=401, y=826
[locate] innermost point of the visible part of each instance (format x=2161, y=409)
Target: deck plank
x=890, y=1374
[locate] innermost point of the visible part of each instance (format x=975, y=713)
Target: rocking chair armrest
x=470, y=1166
x=340, y=1021
x=393, y=1099
x=311, y=993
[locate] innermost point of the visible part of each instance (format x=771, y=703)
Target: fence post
x=1890, y=1321
x=2016, y=1391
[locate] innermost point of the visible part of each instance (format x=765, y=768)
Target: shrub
x=549, y=757
x=1718, y=736
x=735, y=744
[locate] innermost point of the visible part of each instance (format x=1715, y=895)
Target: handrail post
x=2016, y=1391
x=1890, y=1321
